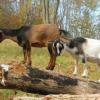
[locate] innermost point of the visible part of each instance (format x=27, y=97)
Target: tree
x=46, y=11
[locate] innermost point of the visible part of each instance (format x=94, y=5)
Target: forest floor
x=10, y=51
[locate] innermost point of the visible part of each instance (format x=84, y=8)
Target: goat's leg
x=28, y=62
x=25, y=55
x=52, y=61
x=85, y=72
x=76, y=67
x=98, y=60
x=51, y=64
x=99, y=65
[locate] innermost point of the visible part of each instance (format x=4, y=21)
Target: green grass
x=10, y=51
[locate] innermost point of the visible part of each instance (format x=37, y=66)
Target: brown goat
x=35, y=36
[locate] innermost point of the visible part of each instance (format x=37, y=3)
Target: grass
x=10, y=51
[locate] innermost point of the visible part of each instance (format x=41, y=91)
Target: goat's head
x=57, y=46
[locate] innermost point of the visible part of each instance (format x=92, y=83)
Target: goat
x=34, y=36
x=85, y=49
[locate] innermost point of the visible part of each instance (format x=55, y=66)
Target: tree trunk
x=55, y=11
x=46, y=11
x=41, y=81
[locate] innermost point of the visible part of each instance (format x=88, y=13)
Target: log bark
x=41, y=81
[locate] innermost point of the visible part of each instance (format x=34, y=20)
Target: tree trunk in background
x=46, y=11
x=55, y=11
x=46, y=82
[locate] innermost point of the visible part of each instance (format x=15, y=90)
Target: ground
x=10, y=51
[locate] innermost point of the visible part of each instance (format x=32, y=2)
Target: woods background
x=79, y=17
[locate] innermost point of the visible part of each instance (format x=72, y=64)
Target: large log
x=41, y=81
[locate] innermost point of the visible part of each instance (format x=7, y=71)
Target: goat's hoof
x=49, y=68
x=84, y=76
x=28, y=65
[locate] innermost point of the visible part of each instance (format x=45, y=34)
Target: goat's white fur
x=75, y=67
x=91, y=48
x=57, y=46
x=5, y=68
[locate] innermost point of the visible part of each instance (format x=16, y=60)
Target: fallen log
x=41, y=81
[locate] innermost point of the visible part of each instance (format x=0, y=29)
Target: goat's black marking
x=19, y=33
x=15, y=32
x=76, y=42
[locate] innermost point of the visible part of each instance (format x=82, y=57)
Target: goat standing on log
x=36, y=36
x=85, y=49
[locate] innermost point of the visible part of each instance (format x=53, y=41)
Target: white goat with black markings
x=85, y=49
